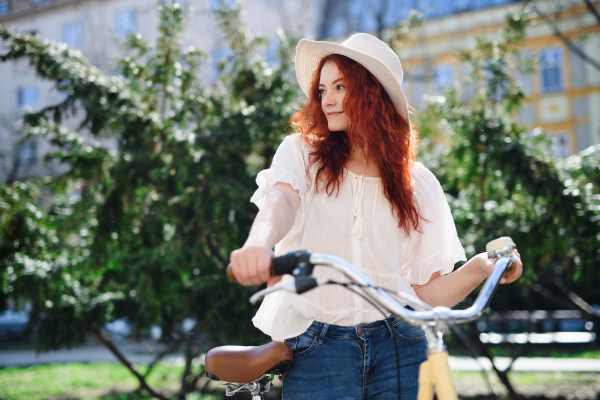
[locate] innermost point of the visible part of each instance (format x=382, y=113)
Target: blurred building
x=97, y=28
x=563, y=95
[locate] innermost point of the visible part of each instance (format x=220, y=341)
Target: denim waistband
x=362, y=330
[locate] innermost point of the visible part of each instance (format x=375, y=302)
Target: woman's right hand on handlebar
x=252, y=265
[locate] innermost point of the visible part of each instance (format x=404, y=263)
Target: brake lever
x=298, y=286
x=288, y=287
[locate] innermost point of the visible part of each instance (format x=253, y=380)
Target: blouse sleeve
x=436, y=247
x=288, y=167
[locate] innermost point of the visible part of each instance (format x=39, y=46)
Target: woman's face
x=332, y=90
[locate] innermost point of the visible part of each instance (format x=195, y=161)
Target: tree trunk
x=483, y=349
x=113, y=349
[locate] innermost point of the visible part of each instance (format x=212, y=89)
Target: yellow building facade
x=563, y=93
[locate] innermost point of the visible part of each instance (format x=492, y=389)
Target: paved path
x=541, y=364
x=138, y=353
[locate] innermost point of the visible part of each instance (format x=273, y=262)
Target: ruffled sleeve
x=289, y=166
x=436, y=247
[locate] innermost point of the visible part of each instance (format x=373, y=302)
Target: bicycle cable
x=453, y=327
x=450, y=325
x=394, y=334
x=461, y=335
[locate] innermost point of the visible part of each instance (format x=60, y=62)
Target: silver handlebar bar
x=386, y=302
x=383, y=300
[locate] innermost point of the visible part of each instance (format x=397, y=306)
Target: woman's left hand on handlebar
x=488, y=266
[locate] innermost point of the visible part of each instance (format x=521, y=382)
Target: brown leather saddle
x=245, y=364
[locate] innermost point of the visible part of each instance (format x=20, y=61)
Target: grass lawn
x=85, y=381
x=571, y=385
x=104, y=381
x=567, y=351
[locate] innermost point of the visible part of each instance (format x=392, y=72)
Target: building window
x=442, y=78
x=461, y=5
x=125, y=22
x=27, y=98
x=26, y=153
x=397, y=11
x=583, y=137
x=551, y=70
x=4, y=7
x=218, y=4
x=362, y=16
x=41, y=1
x=561, y=145
x=73, y=34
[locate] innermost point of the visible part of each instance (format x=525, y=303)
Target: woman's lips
x=334, y=114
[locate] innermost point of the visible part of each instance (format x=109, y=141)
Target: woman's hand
x=252, y=264
x=487, y=266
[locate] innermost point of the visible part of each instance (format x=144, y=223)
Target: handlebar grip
x=285, y=264
x=231, y=275
x=282, y=265
x=511, y=268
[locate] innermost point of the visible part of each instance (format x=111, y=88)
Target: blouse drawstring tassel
x=357, y=191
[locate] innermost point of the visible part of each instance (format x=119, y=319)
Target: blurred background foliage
x=502, y=180
x=143, y=231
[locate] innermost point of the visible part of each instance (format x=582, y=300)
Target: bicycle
x=254, y=368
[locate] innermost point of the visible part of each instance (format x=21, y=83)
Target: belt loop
x=323, y=332
x=389, y=325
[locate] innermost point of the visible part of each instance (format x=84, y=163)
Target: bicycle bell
x=503, y=246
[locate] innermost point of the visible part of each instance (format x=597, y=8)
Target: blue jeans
x=338, y=362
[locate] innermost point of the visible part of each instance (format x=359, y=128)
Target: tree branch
x=566, y=40
x=191, y=352
x=593, y=10
x=174, y=346
x=204, y=388
x=215, y=251
x=113, y=349
x=561, y=302
x=502, y=375
x=579, y=303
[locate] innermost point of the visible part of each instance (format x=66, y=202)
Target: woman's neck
x=359, y=165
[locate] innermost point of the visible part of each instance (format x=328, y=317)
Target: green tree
x=503, y=182
x=143, y=231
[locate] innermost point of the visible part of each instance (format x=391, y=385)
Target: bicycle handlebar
x=300, y=264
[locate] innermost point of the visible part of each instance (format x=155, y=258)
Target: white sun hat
x=367, y=50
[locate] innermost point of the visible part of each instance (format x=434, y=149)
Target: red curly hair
x=388, y=137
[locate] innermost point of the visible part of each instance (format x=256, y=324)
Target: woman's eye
x=340, y=87
x=321, y=92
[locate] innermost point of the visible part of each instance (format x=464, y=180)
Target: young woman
x=346, y=183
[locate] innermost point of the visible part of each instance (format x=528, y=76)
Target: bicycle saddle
x=245, y=364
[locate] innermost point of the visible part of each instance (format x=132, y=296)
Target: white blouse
x=357, y=225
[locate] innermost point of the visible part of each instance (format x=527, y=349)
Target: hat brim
x=309, y=54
